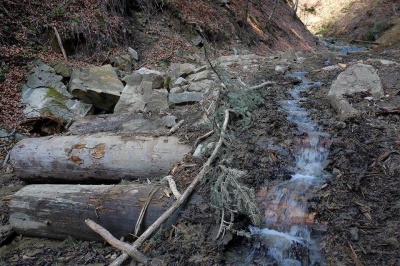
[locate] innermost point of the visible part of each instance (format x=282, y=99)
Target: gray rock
x=180, y=82
x=203, y=85
x=79, y=108
x=133, y=53
x=45, y=101
x=357, y=78
x=62, y=69
x=181, y=70
x=169, y=121
x=122, y=62
x=185, y=97
x=200, y=69
x=176, y=90
x=143, y=93
x=281, y=69
x=99, y=86
x=44, y=76
x=199, y=76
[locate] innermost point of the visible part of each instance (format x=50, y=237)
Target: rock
x=180, y=82
x=199, y=76
x=343, y=108
x=202, y=148
x=99, y=86
x=62, y=69
x=44, y=76
x=201, y=85
x=122, y=62
x=6, y=233
x=79, y=108
x=169, y=121
x=181, y=70
x=357, y=78
x=176, y=90
x=133, y=53
x=185, y=97
x=45, y=101
x=143, y=93
x=200, y=69
x=154, y=76
x=281, y=69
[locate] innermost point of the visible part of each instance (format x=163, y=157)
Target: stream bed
x=286, y=238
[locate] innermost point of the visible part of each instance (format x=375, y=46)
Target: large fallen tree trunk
x=99, y=157
x=122, y=123
x=59, y=211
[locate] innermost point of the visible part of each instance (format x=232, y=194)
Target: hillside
x=92, y=32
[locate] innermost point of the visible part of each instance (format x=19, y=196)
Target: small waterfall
x=286, y=234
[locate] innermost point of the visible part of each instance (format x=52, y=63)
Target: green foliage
x=377, y=30
x=310, y=9
x=60, y=10
x=230, y=194
x=239, y=98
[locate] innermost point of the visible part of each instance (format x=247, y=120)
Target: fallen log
x=122, y=123
x=59, y=211
x=95, y=158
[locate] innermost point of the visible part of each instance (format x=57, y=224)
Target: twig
x=206, y=167
x=175, y=128
x=203, y=137
x=60, y=43
x=130, y=250
x=6, y=160
x=172, y=186
x=143, y=211
x=273, y=10
x=267, y=83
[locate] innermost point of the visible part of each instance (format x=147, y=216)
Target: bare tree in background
x=296, y=5
x=273, y=10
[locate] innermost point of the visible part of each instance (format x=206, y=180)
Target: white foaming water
x=287, y=215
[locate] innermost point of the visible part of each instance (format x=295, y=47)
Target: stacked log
x=95, y=158
x=59, y=211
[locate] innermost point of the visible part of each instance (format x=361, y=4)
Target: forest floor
x=356, y=210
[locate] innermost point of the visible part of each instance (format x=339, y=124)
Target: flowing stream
x=287, y=236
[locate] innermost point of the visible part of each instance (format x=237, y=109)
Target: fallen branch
x=172, y=186
x=130, y=250
x=267, y=83
x=175, y=128
x=60, y=43
x=203, y=137
x=206, y=167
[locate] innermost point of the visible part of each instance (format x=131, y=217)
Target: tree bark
x=59, y=211
x=121, y=124
x=95, y=158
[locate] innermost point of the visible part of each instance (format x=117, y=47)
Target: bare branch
x=130, y=250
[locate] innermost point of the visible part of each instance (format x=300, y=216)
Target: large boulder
x=357, y=78
x=44, y=76
x=45, y=95
x=99, y=86
x=144, y=91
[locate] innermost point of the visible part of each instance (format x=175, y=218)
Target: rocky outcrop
x=45, y=94
x=357, y=78
x=144, y=91
x=99, y=86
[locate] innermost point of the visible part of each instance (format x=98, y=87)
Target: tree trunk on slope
x=95, y=158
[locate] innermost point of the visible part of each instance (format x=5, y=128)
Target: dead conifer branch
x=60, y=43
x=206, y=167
x=130, y=250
